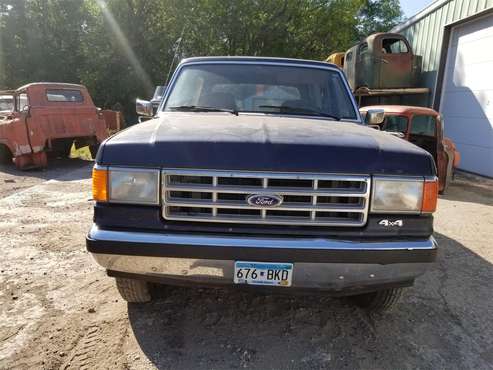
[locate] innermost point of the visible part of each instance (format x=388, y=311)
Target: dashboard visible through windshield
x=261, y=89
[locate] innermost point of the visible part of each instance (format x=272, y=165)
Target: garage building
x=455, y=38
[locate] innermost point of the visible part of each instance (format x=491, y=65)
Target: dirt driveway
x=58, y=310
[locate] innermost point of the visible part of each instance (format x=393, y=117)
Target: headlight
x=133, y=186
x=397, y=195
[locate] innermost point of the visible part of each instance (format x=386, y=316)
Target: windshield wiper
x=302, y=111
x=198, y=108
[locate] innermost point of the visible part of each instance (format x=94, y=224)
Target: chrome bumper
x=320, y=263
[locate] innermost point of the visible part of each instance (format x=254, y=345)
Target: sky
x=411, y=7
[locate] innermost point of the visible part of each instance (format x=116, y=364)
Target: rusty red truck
x=48, y=118
x=424, y=128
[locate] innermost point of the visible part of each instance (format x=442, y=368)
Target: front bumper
x=340, y=266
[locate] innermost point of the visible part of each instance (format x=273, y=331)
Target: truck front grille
x=307, y=199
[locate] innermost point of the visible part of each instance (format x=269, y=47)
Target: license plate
x=263, y=273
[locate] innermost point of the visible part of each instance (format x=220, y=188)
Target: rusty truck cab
x=49, y=118
x=424, y=128
x=337, y=59
x=382, y=61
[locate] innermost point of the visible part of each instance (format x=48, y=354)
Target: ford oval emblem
x=261, y=200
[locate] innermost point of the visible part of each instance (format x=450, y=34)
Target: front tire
x=94, y=150
x=5, y=155
x=135, y=291
x=379, y=301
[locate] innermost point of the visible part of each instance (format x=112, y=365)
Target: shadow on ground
x=472, y=189
x=57, y=168
x=444, y=321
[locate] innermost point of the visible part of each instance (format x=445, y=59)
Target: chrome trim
x=257, y=242
x=270, y=63
x=313, y=191
x=135, y=169
x=397, y=179
x=99, y=167
x=329, y=276
x=431, y=178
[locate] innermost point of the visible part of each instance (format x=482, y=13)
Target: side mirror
x=26, y=109
x=374, y=117
x=143, y=108
x=159, y=92
x=143, y=119
x=157, y=97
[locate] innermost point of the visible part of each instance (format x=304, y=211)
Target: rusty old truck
x=44, y=119
x=424, y=128
x=383, y=69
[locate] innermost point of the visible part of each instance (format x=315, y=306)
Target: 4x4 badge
x=388, y=223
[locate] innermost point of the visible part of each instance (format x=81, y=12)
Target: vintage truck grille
x=307, y=199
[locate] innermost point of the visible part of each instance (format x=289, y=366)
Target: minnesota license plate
x=263, y=273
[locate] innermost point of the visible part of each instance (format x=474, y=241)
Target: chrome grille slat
x=284, y=207
x=253, y=190
x=273, y=221
x=220, y=196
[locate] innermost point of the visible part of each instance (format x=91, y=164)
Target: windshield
x=262, y=89
x=6, y=103
x=395, y=124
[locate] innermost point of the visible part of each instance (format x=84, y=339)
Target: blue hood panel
x=258, y=142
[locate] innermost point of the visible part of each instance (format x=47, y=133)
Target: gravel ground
x=59, y=310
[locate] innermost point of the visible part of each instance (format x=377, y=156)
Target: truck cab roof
x=401, y=109
x=262, y=60
x=58, y=85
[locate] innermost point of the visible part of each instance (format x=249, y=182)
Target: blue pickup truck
x=260, y=173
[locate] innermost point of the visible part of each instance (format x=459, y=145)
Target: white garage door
x=467, y=96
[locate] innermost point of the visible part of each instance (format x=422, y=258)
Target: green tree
x=120, y=49
x=378, y=16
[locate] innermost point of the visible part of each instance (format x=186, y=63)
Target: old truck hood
x=259, y=142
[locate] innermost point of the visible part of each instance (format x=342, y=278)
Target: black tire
x=5, y=155
x=94, y=150
x=379, y=301
x=135, y=291
x=61, y=149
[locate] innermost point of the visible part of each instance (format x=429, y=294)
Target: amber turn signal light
x=100, y=185
x=430, y=196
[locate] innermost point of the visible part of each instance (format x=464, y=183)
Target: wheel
x=379, y=301
x=94, y=150
x=61, y=149
x=5, y=155
x=131, y=290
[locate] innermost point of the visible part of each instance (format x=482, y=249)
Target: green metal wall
x=426, y=34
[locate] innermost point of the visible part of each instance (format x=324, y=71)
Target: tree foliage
x=378, y=16
x=120, y=48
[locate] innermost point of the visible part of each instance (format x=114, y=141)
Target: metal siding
x=429, y=40
x=472, y=8
x=457, y=10
x=435, y=36
x=481, y=5
x=426, y=34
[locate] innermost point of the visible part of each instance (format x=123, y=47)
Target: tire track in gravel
x=52, y=292
x=81, y=357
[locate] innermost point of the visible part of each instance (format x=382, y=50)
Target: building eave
x=422, y=14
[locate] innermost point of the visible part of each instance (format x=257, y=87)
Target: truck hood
x=259, y=142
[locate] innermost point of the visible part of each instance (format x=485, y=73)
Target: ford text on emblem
x=264, y=200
